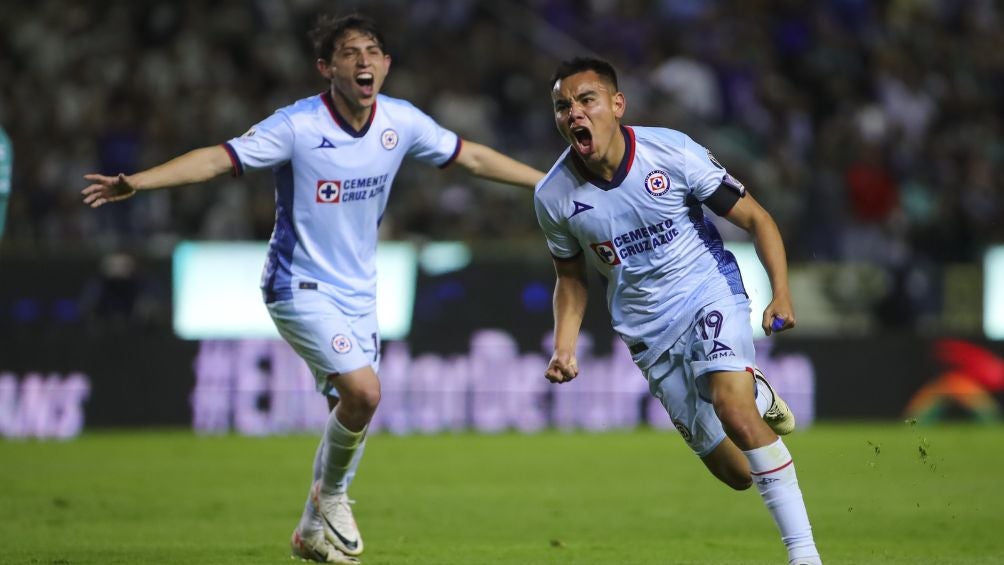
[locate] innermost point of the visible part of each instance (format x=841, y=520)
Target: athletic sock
x=354, y=464
x=764, y=397
x=774, y=476
x=310, y=520
x=341, y=445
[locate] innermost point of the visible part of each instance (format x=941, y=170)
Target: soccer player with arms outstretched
x=334, y=157
x=629, y=202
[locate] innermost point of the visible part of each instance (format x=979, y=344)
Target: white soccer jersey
x=645, y=232
x=331, y=188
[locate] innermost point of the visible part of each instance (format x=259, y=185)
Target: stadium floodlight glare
x=441, y=257
x=216, y=293
x=993, y=292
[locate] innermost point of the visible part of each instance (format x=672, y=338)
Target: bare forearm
x=570, y=296
x=770, y=249
x=487, y=163
x=196, y=166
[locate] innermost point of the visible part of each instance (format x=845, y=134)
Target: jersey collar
x=622, y=170
x=342, y=122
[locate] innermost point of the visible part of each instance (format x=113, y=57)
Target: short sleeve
x=703, y=172
x=432, y=143
x=560, y=241
x=266, y=144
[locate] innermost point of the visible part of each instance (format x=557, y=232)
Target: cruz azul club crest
x=657, y=182
x=389, y=139
x=341, y=344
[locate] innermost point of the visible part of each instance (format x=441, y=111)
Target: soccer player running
x=334, y=157
x=628, y=201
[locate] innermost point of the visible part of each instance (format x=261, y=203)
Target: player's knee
x=363, y=399
x=369, y=399
x=736, y=420
x=730, y=413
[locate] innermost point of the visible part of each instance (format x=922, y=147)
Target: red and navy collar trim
x=342, y=122
x=622, y=170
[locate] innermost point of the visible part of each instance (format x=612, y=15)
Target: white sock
x=774, y=476
x=310, y=520
x=341, y=445
x=764, y=397
x=354, y=464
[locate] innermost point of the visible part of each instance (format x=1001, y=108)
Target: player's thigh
x=694, y=418
x=721, y=342
x=331, y=342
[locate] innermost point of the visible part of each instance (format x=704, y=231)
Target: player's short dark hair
x=583, y=64
x=329, y=29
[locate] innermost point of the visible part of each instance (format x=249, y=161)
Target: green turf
x=617, y=498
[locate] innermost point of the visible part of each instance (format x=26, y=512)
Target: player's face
x=587, y=111
x=357, y=68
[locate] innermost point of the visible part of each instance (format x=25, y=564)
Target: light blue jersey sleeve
x=432, y=143
x=561, y=243
x=704, y=174
x=267, y=144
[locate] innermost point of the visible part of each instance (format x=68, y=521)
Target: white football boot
x=779, y=417
x=339, y=525
x=314, y=547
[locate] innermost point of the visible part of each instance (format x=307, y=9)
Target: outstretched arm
x=195, y=166
x=751, y=216
x=487, y=163
x=570, y=296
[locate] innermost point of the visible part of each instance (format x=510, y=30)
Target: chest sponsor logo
x=388, y=139
x=350, y=190
x=657, y=182
x=606, y=252
x=329, y=191
x=638, y=241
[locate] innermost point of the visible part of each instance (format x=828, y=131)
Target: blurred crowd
x=870, y=129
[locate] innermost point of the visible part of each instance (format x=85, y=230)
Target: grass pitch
x=886, y=494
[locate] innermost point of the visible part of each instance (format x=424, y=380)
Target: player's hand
x=107, y=189
x=778, y=316
x=562, y=368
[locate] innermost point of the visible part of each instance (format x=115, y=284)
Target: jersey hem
x=566, y=259
x=456, y=153
x=235, y=161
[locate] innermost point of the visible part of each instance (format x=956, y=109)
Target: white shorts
x=720, y=339
x=329, y=340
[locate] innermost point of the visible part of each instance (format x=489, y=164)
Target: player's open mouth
x=365, y=82
x=583, y=140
